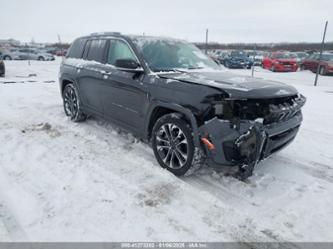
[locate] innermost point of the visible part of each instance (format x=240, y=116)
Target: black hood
x=236, y=86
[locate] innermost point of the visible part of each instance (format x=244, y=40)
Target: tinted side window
x=86, y=49
x=76, y=49
x=119, y=50
x=96, y=51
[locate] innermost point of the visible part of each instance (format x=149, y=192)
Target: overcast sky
x=227, y=20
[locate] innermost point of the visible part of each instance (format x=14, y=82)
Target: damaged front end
x=243, y=132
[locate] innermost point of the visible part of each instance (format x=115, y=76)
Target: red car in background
x=280, y=62
x=311, y=63
x=61, y=52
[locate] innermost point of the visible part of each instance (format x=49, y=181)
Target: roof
x=130, y=36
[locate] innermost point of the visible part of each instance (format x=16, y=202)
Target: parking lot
x=92, y=181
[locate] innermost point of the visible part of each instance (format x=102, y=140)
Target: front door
x=124, y=95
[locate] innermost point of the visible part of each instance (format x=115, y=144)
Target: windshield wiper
x=193, y=68
x=182, y=70
x=156, y=70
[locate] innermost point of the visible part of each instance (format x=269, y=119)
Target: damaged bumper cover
x=245, y=142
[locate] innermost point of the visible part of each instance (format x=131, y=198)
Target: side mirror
x=128, y=65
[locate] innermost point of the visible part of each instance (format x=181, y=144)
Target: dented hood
x=235, y=86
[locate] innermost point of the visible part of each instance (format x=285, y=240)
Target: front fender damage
x=235, y=143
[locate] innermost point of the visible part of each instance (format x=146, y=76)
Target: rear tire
x=7, y=58
x=173, y=145
x=302, y=68
x=72, y=104
x=41, y=58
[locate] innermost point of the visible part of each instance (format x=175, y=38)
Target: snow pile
x=93, y=182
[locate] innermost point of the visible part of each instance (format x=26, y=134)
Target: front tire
x=72, y=104
x=41, y=58
x=173, y=145
x=7, y=58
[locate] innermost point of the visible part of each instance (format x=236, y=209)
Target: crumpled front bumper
x=246, y=143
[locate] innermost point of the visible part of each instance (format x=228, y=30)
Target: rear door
x=89, y=75
x=313, y=64
x=307, y=61
x=23, y=54
x=124, y=95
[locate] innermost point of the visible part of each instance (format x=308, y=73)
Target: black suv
x=169, y=93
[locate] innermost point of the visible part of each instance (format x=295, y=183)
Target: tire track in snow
x=212, y=186
x=318, y=170
x=13, y=228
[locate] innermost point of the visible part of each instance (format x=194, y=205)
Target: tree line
x=301, y=46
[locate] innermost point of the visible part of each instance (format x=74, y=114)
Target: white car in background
x=257, y=57
x=27, y=54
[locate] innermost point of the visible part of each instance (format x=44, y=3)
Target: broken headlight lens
x=218, y=109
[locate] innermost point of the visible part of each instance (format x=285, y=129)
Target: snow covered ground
x=62, y=181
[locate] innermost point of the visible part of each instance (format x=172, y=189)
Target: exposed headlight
x=218, y=109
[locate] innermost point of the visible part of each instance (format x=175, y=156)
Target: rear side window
x=96, y=51
x=76, y=49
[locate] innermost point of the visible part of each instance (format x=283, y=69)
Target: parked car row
x=26, y=54
x=238, y=58
x=281, y=61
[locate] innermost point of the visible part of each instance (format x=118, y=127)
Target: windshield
x=238, y=54
x=301, y=55
x=169, y=55
x=327, y=57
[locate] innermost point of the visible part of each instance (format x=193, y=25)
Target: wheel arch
x=65, y=81
x=160, y=109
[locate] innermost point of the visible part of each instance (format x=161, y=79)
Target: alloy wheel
x=70, y=102
x=172, y=146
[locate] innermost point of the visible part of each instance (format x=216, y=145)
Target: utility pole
x=29, y=47
x=62, y=51
x=206, y=46
x=321, y=53
x=254, y=58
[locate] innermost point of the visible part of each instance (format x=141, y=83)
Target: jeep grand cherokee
x=167, y=92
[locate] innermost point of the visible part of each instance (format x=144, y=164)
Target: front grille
x=285, y=110
x=270, y=110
